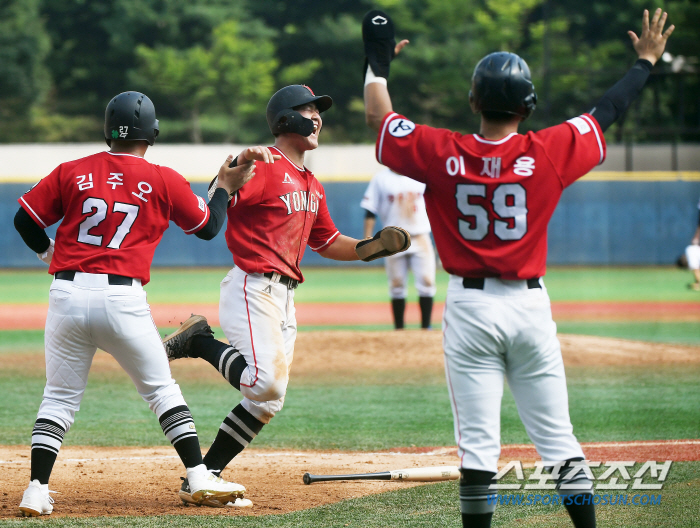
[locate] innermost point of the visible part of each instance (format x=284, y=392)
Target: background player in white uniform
x=271, y=220
x=114, y=207
x=398, y=200
x=489, y=197
x=692, y=256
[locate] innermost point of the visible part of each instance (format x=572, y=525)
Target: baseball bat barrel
x=418, y=474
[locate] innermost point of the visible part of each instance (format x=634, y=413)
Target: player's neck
x=292, y=148
x=135, y=148
x=498, y=130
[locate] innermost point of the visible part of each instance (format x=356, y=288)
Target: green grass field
x=368, y=284
x=607, y=404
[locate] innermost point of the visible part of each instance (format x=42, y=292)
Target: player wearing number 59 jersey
x=503, y=191
x=489, y=197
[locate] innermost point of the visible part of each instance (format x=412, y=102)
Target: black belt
x=113, y=280
x=478, y=284
x=289, y=282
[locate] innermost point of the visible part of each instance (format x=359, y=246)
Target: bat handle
x=309, y=478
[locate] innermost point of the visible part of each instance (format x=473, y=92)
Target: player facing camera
x=287, y=108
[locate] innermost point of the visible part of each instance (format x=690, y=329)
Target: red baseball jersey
x=274, y=216
x=489, y=202
x=115, y=208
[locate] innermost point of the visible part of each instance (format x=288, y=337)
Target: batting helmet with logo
x=502, y=83
x=131, y=116
x=282, y=116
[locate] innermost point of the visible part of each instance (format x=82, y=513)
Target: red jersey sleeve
x=43, y=201
x=574, y=147
x=189, y=211
x=324, y=232
x=407, y=148
x=253, y=191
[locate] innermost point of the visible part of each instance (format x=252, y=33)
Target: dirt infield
x=143, y=481
x=33, y=316
x=110, y=481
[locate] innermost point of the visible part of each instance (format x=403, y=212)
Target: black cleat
x=177, y=345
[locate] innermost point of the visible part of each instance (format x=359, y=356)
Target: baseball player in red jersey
x=114, y=208
x=271, y=220
x=489, y=197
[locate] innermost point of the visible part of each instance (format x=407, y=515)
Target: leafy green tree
x=184, y=77
x=234, y=76
x=95, y=44
x=24, y=79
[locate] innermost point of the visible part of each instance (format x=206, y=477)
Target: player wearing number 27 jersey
x=115, y=209
x=505, y=191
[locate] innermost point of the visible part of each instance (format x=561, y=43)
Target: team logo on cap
x=379, y=20
x=401, y=127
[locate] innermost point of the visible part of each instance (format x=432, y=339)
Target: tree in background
x=211, y=65
x=24, y=78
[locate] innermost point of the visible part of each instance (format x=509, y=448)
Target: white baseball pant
x=258, y=318
x=692, y=254
x=504, y=331
x=419, y=258
x=88, y=313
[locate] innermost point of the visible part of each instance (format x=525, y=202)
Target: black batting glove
x=378, y=37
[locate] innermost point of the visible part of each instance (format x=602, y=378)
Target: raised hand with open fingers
x=651, y=43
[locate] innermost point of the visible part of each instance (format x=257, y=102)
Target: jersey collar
x=497, y=142
x=123, y=154
x=301, y=169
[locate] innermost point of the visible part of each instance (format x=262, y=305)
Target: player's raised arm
x=380, y=48
x=649, y=46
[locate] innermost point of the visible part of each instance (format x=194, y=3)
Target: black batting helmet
x=131, y=116
x=282, y=116
x=502, y=83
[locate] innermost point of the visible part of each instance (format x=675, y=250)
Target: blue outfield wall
x=596, y=223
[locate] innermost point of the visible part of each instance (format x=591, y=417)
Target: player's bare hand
x=233, y=178
x=257, y=154
x=651, y=43
x=401, y=45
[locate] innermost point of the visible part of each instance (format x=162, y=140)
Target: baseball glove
x=379, y=41
x=384, y=243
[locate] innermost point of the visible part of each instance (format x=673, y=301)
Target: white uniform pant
x=504, y=331
x=692, y=253
x=420, y=259
x=86, y=314
x=258, y=318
